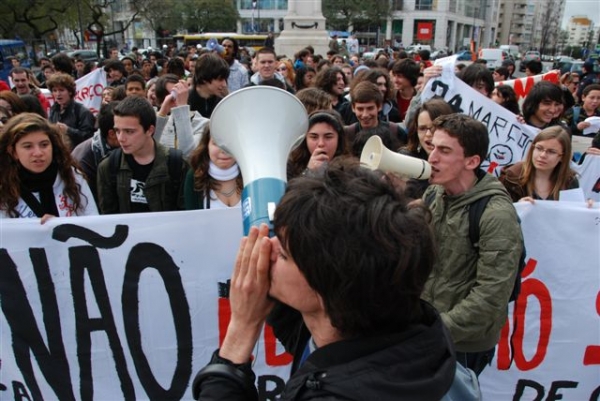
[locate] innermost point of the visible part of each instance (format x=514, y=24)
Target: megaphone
x=376, y=156
x=259, y=126
x=213, y=45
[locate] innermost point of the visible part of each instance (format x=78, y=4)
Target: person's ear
x=472, y=162
x=151, y=130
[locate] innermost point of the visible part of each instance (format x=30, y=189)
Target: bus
x=245, y=40
x=12, y=48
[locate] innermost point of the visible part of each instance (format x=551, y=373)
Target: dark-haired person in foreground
x=351, y=257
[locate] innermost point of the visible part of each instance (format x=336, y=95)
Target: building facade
x=580, y=30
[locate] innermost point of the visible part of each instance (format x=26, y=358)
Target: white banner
x=522, y=86
x=557, y=335
x=509, y=139
x=132, y=306
x=118, y=307
x=88, y=90
x=589, y=176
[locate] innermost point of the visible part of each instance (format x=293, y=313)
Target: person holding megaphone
x=420, y=135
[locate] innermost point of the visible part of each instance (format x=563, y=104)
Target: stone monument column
x=303, y=25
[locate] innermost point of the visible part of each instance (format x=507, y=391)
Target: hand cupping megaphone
x=259, y=126
x=377, y=157
x=213, y=45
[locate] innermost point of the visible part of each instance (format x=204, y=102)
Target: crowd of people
x=358, y=267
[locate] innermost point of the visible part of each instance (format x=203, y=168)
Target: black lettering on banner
x=455, y=102
x=474, y=113
x=498, y=125
x=82, y=259
x=520, y=389
x=269, y=394
x=26, y=336
x=439, y=88
x=553, y=394
x=141, y=257
x=64, y=232
x=595, y=394
x=20, y=391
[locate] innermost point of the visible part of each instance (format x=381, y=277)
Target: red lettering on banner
x=521, y=90
x=552, y=76
x=98, y=88
x=272, y=358
x=85, y=92
x=529, y=287
x=592, y=352
x=492, y=167
x=224, y=318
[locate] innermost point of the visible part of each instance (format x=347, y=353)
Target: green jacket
x=162, y=194
x=471, y=289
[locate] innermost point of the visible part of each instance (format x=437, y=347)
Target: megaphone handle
x=259, y=199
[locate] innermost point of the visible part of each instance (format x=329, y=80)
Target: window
x=424, y=5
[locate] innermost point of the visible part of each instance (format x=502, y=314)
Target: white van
x=494, y=57
x=512, y=50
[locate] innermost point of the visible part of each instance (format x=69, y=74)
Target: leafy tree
x=210, y=15
x=31, y=18
x=342, y=14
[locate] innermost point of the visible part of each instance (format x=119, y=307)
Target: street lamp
x=256, y=6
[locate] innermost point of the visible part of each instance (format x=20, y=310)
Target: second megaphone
x=376, y=156
x=213, y=45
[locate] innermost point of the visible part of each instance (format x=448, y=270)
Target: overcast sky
x=588, y=8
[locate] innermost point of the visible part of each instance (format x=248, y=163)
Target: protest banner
x=509, y=139
x=522, y=86
x=589, y=176
x=88, y=90
x=132, y=306
x=556, y=339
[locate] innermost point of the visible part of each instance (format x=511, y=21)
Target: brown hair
x=561, y=174
x=17, y=128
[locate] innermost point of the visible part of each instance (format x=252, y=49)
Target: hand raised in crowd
x=431, y=72
x=318, y=157
x=248, y=295
x=178, y=97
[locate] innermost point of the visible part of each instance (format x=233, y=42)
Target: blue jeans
x=476, y=361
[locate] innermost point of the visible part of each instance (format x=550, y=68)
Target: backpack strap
x=576, y=113
x=475, y=211
x=174, y=164
x=114, y=161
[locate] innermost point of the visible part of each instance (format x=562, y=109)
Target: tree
x=550, y=26
x=210, y=15
x=32, y=18
x=343, y=14
x=98, y=21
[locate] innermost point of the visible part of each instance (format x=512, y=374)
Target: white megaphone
x=213, y=45
x=377, y=157
x=259, y=126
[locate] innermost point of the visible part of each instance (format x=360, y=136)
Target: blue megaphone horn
x=213, y=45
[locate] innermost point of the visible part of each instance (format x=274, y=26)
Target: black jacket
x=77, y=117
x=414, y=364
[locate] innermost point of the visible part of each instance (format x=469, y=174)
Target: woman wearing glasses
x=545, y=171
x=285, y=68
x=419, y=140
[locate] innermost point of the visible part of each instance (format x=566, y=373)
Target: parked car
x=577, y=66
x=530, y=55
x=494, y=57
x=559, y=61
x=85, y=55
x=465, y=55
x=439, y=54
